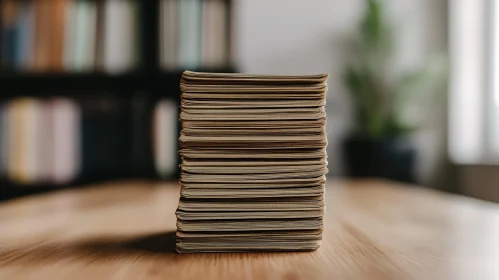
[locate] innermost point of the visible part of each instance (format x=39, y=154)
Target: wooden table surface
x=373, y=230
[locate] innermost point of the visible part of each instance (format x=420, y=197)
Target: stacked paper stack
x=253, y=151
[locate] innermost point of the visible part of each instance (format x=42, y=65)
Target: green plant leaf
x=415, y=88
x=379, y=103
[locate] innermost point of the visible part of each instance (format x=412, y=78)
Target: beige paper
x=253, y=151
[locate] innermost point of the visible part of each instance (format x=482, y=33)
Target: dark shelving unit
x=148, y=82
x=159, y=82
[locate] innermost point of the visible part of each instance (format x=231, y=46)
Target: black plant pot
x=391, y=158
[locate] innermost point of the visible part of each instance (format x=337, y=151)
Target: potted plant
x=379, y=145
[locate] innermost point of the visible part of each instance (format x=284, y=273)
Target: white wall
x=304, y=37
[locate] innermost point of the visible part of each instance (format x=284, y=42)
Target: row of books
x=81, y=35
x=194, y=33
x=69, y=35
x=57, y=140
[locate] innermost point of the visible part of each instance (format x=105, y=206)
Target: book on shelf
x=25, y=23
x=119, y=38
x=30, y=169
x=69, y=35
x=81, y=35
x=64, y=139
x=194, y=33
x=8, y=32
x=42, y=40
x=16, y=111
x=58, y=140
x=214, y=41
x=189, y=55
x=3, y=141
x=165, y=146
x=169, y=33
x=31, y=133
x=56, y=34
x=84, y=28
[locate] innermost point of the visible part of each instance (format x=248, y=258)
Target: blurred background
x=89, y=90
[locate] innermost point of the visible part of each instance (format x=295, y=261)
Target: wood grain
x=374, y=230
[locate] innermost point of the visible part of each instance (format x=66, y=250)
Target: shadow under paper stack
x=253, y=151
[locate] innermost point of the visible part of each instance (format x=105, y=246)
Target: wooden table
x=374, y=230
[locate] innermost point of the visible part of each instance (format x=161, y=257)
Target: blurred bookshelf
x=90, y=88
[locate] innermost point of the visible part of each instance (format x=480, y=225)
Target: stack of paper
x=253, y=151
